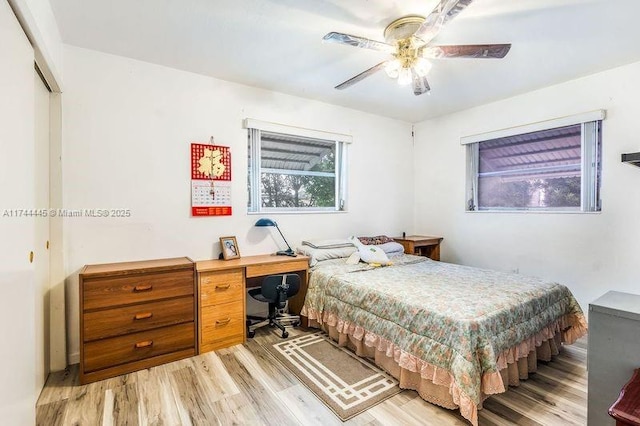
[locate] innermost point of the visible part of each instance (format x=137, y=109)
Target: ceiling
x=277, y=45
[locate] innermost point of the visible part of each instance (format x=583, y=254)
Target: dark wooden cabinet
x=614, y=351
x=135, y=315
x=626, y=409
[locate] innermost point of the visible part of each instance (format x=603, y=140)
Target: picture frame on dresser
x=229, y=247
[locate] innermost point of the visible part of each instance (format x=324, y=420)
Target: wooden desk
x=222, y=293
x=421, y=245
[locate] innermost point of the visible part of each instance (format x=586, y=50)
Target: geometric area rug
x=346, y=383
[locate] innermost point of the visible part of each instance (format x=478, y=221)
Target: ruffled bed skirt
x=435, y=384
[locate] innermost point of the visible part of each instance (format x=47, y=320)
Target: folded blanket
x=378, y=239
x=335, y=243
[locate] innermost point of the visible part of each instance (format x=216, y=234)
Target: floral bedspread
x=453, y=317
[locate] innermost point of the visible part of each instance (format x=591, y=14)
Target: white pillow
x=370, y=253
x=392, y=247
x=318, y=254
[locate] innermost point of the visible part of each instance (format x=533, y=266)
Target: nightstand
x=421, y=245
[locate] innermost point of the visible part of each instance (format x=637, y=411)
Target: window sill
x=532, y=211
x=288, y=212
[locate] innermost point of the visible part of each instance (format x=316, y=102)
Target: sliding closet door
x=17, y=224
x=41, y=242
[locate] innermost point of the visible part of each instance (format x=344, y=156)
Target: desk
x=421, y=245
x=222, y=293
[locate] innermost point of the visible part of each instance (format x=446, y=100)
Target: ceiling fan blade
x=467, y=51
x=420, y=84
x=356, y=41
x=361, y=76
x=444, y=12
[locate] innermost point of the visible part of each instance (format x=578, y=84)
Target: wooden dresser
x=222, y=292
x=135, y=315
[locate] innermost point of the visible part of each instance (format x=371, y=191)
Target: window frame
x=590, y=163
x=255, y=129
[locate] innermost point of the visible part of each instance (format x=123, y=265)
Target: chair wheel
x=285, y=334
x=251, y=334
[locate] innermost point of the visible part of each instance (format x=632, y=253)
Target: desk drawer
x=222, y=325
x=277, y=268
x=136, y=318
x=103, y=293
x=221, y=287
x=133, y=347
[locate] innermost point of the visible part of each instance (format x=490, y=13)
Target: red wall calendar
x=210, y=180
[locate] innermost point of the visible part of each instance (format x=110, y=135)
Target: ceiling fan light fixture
x=402, y=28
x=404, y=78
x=409, y=40
x=422, y=67
x=393, y=68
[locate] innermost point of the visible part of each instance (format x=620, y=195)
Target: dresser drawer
x=221, y=287
x=137, y=346
x=222, y=325
x=135, y=318
x=103, y=293
x=277, y=268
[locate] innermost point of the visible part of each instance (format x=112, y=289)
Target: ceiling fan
x=408, y=40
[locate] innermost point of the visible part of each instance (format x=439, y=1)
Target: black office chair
x=275, y=290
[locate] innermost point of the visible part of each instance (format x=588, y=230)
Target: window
x=548, y=169
x=295, y=169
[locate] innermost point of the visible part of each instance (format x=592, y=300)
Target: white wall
x=590, y=253
x=127, y=131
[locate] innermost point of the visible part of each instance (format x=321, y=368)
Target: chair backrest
x=279, y=288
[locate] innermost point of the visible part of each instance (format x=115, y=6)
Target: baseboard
x=74, y=358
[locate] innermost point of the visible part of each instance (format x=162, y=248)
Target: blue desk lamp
x=269, y=222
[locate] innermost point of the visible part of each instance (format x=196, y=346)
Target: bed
x=453, y=333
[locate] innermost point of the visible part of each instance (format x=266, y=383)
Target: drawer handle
x=143, y=315
x=145, y=344
x=146, y=287
x=223, y=287
x=223, y=322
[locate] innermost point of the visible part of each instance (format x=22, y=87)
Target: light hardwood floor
x=244, y=385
